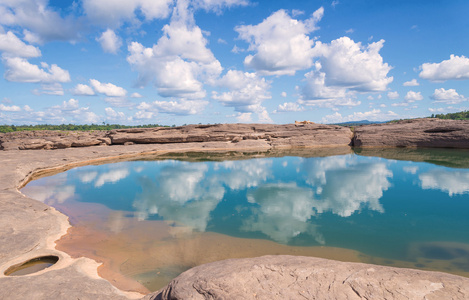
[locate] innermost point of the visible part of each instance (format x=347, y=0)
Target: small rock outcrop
x=297, y=277
x=434, y=133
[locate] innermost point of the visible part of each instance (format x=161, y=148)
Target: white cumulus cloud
x=449, y=96
x=42, y=22
x=412, y=96
x=354, y=66
x=20, y=70
x=9, y=108
x=281, y=43
x=181, y=107
x=290, y=107
x=246, y=93
x=455, y=68
x=11, y=45
x=180, y=62
x=83, y=90
x=412, y=82
x=343, y=69
x=136, y=95
x=108, y=89
x=114, y=13
x=174, y=107
x=109, y=41
x=393, y=95
x=113, y=115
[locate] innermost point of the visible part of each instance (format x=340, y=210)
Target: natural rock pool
x=148, y=221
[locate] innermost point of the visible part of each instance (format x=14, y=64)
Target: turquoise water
x=397, y=210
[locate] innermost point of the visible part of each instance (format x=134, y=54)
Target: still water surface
x=151, y=220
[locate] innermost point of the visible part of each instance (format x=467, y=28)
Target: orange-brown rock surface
x=432, y=133
x=274, y=136
x=416, y=133
x=46, y=139
x=289, y=135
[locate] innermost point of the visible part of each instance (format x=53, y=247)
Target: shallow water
x=151, y=220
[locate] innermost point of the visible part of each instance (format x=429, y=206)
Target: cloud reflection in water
x=454, y=182
x=188, y=192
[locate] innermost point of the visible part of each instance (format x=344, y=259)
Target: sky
x=175, y=62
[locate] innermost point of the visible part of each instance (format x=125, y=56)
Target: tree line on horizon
x=462, y=115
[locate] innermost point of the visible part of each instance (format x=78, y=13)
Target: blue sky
x=229, y=61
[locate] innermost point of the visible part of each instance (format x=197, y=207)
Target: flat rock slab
x=297, y=277
x=432, y=133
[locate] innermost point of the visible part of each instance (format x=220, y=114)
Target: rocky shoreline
x=432, y=133
x=29, y=228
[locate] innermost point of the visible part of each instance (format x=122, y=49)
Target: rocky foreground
x=28, y=228
x=433, y=133
x=297, y=277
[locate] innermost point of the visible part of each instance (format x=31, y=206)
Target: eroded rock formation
x=274, y=136
x=434, y=133
x=297, y=277
x=416, y=133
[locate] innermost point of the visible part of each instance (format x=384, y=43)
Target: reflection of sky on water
x=53, y=190
x=284, y=199
x=180, y=193
x=451, y=182
x=238, y=175
x=112, y=176
x=188, y=192
x=283, y=211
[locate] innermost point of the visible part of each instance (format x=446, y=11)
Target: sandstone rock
x=283, y=136
x=296, y=277
x=44, y=139
x=435, y=133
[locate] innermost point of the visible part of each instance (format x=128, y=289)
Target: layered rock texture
x=274, y=136
x=44, y=139
x=296, y=277
x=433, y=133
